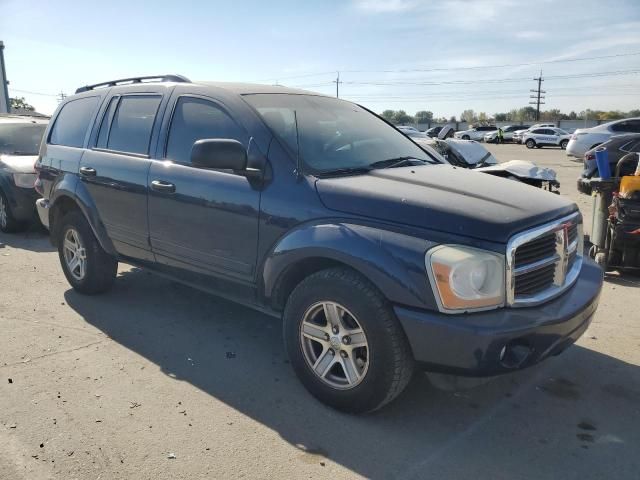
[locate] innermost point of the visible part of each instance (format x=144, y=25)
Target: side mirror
x=219, y=154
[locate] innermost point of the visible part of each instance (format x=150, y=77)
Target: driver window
x=195, y=119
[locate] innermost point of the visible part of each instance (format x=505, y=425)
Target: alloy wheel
x=75, y=255
x=334, y=345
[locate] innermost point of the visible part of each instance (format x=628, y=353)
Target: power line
x=447, y=69
x=539, y=96
x=29, y=92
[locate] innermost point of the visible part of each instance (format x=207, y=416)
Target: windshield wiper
x=345, y=171
x=398, y=162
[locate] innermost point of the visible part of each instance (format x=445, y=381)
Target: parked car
x=379, y=258
x=507, y=133
x=433, y=132
x=546, y=137
x=20, y=138
x=617, y=147
x=584, y=139
x=476, y=133
x=517, y=135
x=411, y=131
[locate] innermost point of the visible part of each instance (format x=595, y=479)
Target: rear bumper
x=42, y=206
x=499, y=341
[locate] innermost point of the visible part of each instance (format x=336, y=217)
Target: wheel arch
x=393, y=262
x=65, y=200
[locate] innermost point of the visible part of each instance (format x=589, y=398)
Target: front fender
x=393, y=261
x=69, y=187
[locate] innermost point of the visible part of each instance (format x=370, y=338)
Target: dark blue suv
x=378, y=257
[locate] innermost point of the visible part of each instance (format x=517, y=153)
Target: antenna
x=298, y=162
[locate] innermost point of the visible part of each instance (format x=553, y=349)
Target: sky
x=441, y=56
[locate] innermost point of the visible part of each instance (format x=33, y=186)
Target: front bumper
x=21, y=201
x=499, y=341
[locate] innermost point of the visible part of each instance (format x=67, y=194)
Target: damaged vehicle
x=379, y=258
x=473, y=155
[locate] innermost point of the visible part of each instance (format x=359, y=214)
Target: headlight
x=465, y=278
x=24, y=180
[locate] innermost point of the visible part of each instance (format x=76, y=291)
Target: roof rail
x=113, y=83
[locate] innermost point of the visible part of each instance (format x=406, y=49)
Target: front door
x=199, y=219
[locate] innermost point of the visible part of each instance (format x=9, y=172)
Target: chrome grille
x=544, y=261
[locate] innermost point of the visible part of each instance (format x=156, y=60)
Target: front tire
x=8, y=223
x=466, y=137
x=563, y=144
x=345, y=343
x=530, y=143
x=88, y=268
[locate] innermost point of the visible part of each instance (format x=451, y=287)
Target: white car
x=517, y=135
x=541, y=137
x=584, y=139
x=411, y=131
x=507, y=133
x=476, y=133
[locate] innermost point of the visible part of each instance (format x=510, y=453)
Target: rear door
x=115, y=169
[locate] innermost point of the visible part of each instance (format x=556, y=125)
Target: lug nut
x=343, y=354
x=335, y=329
x=326, y=336
x=346, y=340
x=331, y=352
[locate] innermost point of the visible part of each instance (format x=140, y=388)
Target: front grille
x=544, y=261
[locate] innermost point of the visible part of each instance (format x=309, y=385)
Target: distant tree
x=453, y=119
x=423, y=116
x=401, y=117
x=482, y=117
x=634, y=113
x=388, y=115
x=20, y=103
x=468, y=116
x=501, y=117
x=573, y=115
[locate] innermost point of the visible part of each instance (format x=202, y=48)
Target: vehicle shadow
x=524, y=425
x=35, y=239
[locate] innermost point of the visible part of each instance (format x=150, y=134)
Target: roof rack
x=113, y=83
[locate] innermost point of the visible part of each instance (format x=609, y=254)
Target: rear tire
x=88, y=268
x=381, y=366
x=530, y=143
x=563, y=144
x=8, y=223
x=466, y=137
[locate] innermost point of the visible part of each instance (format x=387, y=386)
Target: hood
x=471, y=151
x=18, y=163
x=441, y=197
x=522, y=169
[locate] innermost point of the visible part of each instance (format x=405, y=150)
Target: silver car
x=476, y=133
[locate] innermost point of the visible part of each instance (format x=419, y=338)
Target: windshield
x=21, y=138
x=334, y=135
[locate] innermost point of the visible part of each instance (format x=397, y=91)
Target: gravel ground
x=157, y=381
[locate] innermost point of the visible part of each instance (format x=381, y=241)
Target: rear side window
x=538, y=131
x=73, y=122
x=132, y=124
x=195, y=119
x=103, y=134
x=632, y=126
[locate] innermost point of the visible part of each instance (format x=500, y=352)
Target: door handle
x=88, y=171
x=162, y=186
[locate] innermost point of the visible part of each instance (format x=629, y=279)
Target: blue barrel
x=602, y=160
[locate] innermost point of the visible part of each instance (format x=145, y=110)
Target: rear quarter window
x=73, y=121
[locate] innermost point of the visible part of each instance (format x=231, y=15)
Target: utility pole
x=5, y=106
x=538, y=96
x=61, y=96
x=337, y=82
